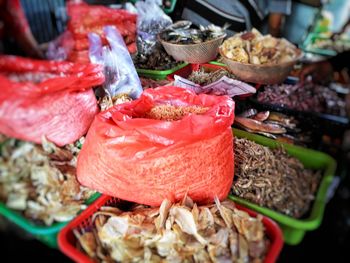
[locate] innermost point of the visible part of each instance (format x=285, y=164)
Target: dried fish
x=181, y=33
x=259, y=126
x=191, y=234
x=274, y=179
x=40, y=181
x=173, y=113
x=254, y=48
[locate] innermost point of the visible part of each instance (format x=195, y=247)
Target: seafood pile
x=173, y=113
x=182, y=232
x=254, y=48
x=182, y=33
x=202, y=77
x=273, y=179
x=40, y=181
x=308, y=97
x=273, y=125
x=107, y=102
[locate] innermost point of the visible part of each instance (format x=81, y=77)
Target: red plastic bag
x=147, y=160
x=47, y=98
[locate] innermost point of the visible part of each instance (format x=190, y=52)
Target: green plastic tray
x=46, y=234
x=159, y=74
x=311, y=38
x=294, y=229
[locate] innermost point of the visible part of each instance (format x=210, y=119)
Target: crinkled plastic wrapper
x=47, y=98
x=136, y=157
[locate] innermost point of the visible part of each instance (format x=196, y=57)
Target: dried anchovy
x=309, y=97
x=40, y=181
x=181, y=232
x=273, y=179
x=203, y=78
x=173, y=113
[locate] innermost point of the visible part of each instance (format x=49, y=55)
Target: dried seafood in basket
x=254, y=48
x=273, y=179
x=306, y=97
x=40, y=181
x=181, y=33
x=182, y=232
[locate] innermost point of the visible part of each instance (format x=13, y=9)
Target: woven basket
x=261, y=74
x=193, y=53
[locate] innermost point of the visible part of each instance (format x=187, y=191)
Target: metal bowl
x=262, y=74
x=193, y=53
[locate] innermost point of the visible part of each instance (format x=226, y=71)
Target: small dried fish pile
x=181, y=33
x=40, y=181
x=151, y=83
x=254, y=48
x=309, y=97
x=157, y=60
x=202, y=77
x=273, y=179
x=273, y=125
x=174, y=233
x=173, y=113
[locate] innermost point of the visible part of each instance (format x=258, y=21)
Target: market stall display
x=294, y=229
x=253, y=57
x=172, y=232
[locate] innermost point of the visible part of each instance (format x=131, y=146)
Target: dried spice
x=308, y=97
x=255, y=48
x=40, y=181
x=274, y=179
x=182, y=232
x=173, y=113
x=203, y=78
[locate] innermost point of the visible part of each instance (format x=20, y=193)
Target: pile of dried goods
x=174, y=233
x=181, y=33
x=336, y=45
x=40, y=181
x=203, y=77
x=157, y=60
x=152, y=83
x=254, y=48
x=273, y=179
x=307, y=97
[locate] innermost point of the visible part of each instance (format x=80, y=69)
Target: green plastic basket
x=46, y=234
x=294, y=229
x=312, y=38
x=159, y=74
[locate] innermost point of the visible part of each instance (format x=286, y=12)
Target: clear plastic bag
x=119, y=69
x=151, y=20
